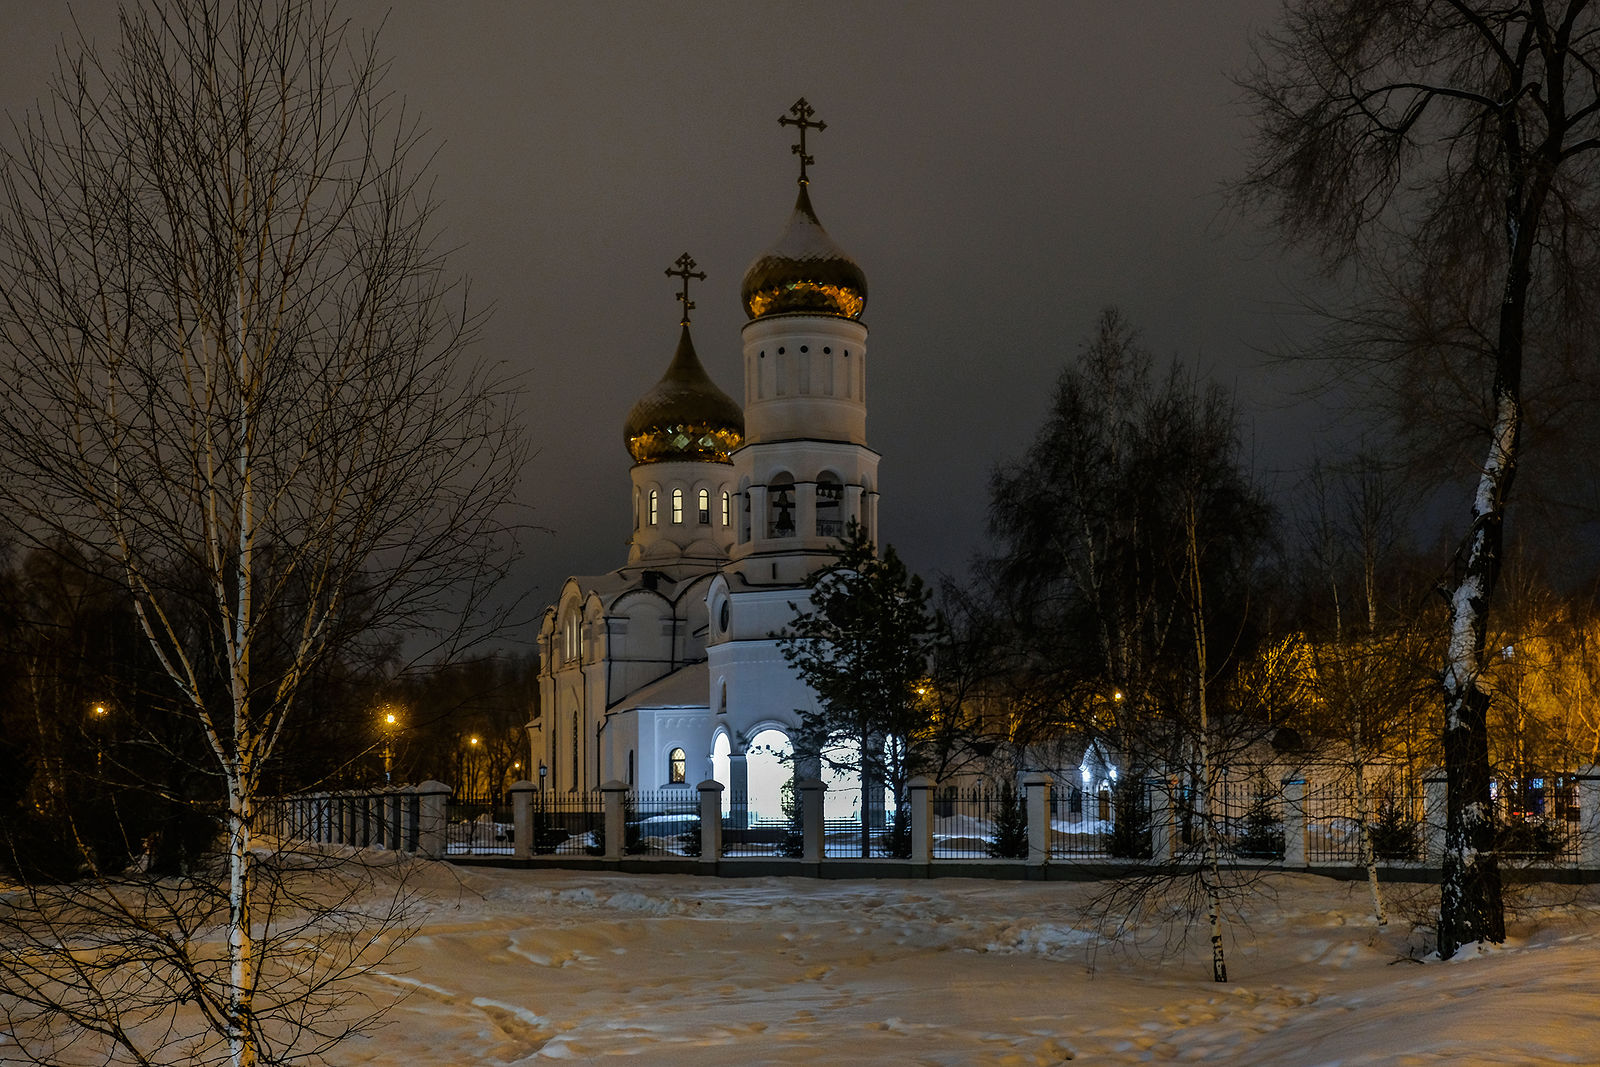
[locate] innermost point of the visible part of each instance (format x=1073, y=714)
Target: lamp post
x=98, y=715
x=391, y=722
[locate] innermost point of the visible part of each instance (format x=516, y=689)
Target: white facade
x=663, y=673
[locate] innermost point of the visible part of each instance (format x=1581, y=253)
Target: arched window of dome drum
x=677, y=507
x=655, y=506
x=780, y=508
x=727, y=518
x=830, y=499
x=703, y=506
x=677, y=767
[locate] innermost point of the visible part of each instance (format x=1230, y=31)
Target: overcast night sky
x=1000, y=172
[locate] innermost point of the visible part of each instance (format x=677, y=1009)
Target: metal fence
x=1396, y=815
x=1104, y=825
x=980, y=823
x=479, y=825
x=663, y=822
x=1315, y=822
x=749, y=836
x=568, y=824
x=1248, y=816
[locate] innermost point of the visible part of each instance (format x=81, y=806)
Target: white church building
x=665, y=671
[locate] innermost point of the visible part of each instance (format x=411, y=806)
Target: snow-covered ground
x=513, y=967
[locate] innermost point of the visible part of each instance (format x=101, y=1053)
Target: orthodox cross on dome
x=685, y=264
x=802, y=118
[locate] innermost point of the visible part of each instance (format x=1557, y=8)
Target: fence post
x=523, y=833
x=1037, y=786
x=1161, y=835
x=810, y=792
x=432, y=830
x=615, y=796
x=1589, y=817
x=1295, y=827
x=1433, y=813
x=373, y=804
x=710, y=821
x=919, y=794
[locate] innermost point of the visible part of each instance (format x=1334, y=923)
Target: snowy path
x=526, y=967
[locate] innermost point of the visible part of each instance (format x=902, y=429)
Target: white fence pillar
x=1037, y=787
x=615, y=795
x=351, y=818
x=810, y=793
x=524, y=834
x=1162, y=837
x=432, y=832
x=1294, y=823
x=710, y=821
x=374, y=807
x=1433, y=814
x=409, y=811
x=919, y=794
x=1589, y=818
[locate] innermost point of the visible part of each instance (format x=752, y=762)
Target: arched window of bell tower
x=780, y=506
x=830, y=506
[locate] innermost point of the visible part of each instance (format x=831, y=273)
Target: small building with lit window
x=667, y=671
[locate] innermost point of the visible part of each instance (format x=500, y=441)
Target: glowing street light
x=391, y=723
x=99, y=713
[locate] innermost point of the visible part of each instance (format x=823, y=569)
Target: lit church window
x=677, y=507
x=655, y=507
x=727, y=518
x=678, y=766
x=705, y=507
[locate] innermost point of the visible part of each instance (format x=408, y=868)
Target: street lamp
x=98, y=715
x=391, y=723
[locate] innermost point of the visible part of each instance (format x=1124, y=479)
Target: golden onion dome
x=685, y=417
x=805, y=273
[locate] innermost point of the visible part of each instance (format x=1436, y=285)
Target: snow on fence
x=1547, y=820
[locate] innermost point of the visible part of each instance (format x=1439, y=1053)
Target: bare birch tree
x=1447, y=150
x=233, y=365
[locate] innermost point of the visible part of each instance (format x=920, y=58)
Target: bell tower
x=804, y=470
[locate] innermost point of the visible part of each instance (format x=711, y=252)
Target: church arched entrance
x=769, y=767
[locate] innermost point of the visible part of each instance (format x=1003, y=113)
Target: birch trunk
x=1212, y=878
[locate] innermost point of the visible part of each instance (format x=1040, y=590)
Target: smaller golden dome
x=685, y=417
x=805, y=273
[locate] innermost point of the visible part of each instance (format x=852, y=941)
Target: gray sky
x=1000, y=171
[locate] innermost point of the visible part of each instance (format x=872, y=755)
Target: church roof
x=686, y=687
x=685, y=416
x=805, y=272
